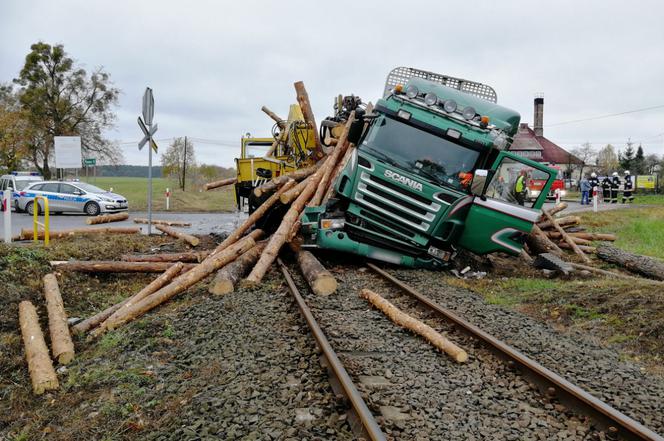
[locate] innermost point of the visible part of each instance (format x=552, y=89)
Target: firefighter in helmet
x=615, y=186
x=606, y=189
x=628, y=187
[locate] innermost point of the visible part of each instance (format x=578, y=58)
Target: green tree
x=650, y=163
x=607, y=160
x=173, y=161
x=14, y=130
x=626, y=159
x=62, y=99
x=639, y=163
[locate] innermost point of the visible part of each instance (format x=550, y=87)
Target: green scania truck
x=430, y=173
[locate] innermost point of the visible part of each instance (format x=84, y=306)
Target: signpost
x=148, y=132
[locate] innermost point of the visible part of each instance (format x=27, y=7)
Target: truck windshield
x=420, y=152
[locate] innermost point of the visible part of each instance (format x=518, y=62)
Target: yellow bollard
x=36, y=224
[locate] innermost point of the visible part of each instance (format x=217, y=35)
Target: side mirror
x=479, y=182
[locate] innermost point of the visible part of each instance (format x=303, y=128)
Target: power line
x=604, y=116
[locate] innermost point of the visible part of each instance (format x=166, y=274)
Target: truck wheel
x=30, y=209
x=92, y=209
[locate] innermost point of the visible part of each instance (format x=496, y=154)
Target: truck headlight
x=430, y=99
x=412, y=91
x=332, y=224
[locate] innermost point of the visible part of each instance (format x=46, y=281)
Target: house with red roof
x=531, y=143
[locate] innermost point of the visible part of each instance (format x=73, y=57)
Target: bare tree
x=607, y=160
x=586, y=154
x=172, y=161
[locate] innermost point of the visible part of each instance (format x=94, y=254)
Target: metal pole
x=7, y=199
x=184, y=163
x=150, y=181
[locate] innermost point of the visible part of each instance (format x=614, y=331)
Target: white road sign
x=68, y=152
x=148, y=106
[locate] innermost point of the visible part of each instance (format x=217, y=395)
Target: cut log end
x=221, y=287
x=324, y=285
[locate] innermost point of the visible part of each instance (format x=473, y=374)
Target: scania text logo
x=404, y=180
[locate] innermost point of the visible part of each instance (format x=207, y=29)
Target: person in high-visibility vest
x=520, y=188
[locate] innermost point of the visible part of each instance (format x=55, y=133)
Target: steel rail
x=617, y=423
x=363, y=412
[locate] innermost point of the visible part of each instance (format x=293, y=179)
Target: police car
x=71, y=197
x=17, y=181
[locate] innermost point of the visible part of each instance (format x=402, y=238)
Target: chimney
x=538, y=121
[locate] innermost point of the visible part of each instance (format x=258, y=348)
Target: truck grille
x=396, y=202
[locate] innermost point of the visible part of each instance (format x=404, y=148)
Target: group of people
x=610, y=186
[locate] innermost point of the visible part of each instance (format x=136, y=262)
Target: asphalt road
x=201, y=223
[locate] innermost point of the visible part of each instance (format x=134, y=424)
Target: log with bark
x=282, y=138
x=26, y=234
x=115, y=311
x=321, y=281
x=282, y=234
x=280, y=121
x=539, y=243
x=191, y=240
x=106, y=218
x=570, y=242
x=113, y=266
x=337, y=171
x=644, y=265
x=40, y=366
x=308, y=114
x=141, y=220
x=167, y=257
x=288, y=196
x=405, y=321
x=253, y=217
x=227, y=277
x=220, y=183
x=584, y=248
x=582, y=235
x=566, y=221
x=183, y=282
x=61, y=343
x=555, y=210
x=276, y=182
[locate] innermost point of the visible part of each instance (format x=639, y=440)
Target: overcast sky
x=213, y=64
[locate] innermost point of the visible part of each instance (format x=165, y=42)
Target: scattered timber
x=141, y=220
x=539, y=243
x=61, y=343
x=321, y=281
x=583, y=235
x=191, y=240
x=113, y=266
x=566, y=221
x=220, y=183
x=280, y=121
x=166, y=257
x=106, y=218
x=405, y=321
x=26, y=234
x=228, y=276
x=117, y=310
x=40, y=366
x=584, y=248
x=337, y=171
x=274, y=183
x=555, y=210
x=644, y=265
x=308, y=114
x=288, y=196
x=570, y=242
x=182, y=282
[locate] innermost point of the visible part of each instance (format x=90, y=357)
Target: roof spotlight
x=412, y=91
x=450, y=106
x=469, y=113
x=430, y=99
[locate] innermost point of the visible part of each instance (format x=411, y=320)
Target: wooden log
x=183, y=282
x=141, y=220
x=111, y=313
x=321, y=281
x=562, y=221
x=251, y=220
x=556, y=209
x=220, y=183
x=337, y=171
x=636, y=263
x=332, y=161
x=412, y=324
x=570, y=242
x=228, y=276
x=539, y=243
x=61, y=344
x=282, y=138
x=583, y=235
x=40, y=366
x=281, y=235
x=614, y=274
x=307, y=112
x=191, y=240
x=577, y=240
x=583, y=248
x=106, y=218
x=166, y=257
x=274, y=183
x=113, y=266
x=26, y=233
x=280, y=121
x=288, y=196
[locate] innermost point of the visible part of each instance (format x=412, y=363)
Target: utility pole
x=184, y=163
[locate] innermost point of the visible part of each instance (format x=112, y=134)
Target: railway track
x=551, y=399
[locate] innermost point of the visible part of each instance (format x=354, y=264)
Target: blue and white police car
x=71, y=197
x=15, y=182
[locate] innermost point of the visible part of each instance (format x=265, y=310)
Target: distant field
x=193, y=199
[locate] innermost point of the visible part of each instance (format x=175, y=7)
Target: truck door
x=502, y=218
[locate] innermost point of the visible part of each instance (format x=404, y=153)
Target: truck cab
x=430, y=173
